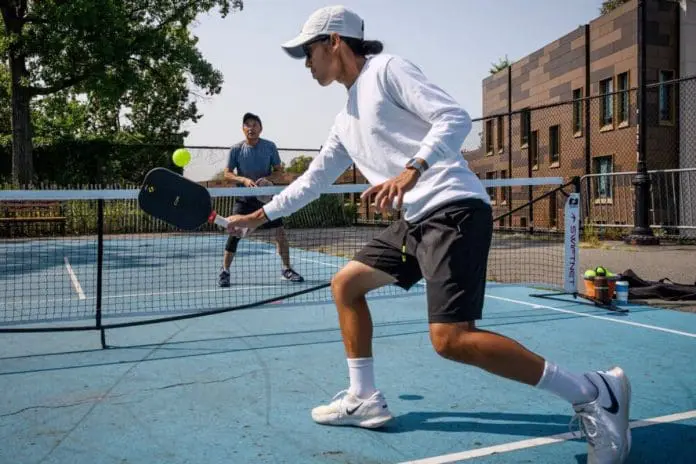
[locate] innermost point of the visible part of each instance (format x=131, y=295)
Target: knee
x=280, y=235
x=344, y=286
x=453, y=341
x=232, y=242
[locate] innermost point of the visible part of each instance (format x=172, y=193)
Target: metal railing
x=609, y=202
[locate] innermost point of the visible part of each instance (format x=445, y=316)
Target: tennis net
x=69, y=255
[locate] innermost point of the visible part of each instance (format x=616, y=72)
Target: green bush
x=327, y=211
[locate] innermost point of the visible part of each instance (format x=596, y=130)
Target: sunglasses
x=307, y=48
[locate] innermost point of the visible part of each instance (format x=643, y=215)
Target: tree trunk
x=22, y=149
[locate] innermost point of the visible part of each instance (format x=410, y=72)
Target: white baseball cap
x=324, y=21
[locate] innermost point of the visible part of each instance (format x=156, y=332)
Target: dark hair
x=363, y=47
x=253, y=117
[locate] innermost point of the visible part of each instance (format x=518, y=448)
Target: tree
x=299, y=164
x=5, y=113
x=503, y=63
x=610, y=5
x=130, y=54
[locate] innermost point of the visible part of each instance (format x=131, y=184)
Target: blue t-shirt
x=253, y=162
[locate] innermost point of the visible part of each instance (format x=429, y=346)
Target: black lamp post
x=641, y=233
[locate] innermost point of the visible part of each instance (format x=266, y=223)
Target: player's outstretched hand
x=243, y=225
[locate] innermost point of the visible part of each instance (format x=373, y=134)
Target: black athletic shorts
x=247, y=206
x=448, y=248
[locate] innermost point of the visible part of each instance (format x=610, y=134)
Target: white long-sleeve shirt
x=393, y=114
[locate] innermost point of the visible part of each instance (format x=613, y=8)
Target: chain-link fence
x=595, y=138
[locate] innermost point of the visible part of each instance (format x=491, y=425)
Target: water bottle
x=622, y=291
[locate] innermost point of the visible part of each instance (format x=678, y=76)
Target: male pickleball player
x=250, y=160
x=404, y=134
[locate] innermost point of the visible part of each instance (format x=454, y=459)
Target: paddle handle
x=223, y=222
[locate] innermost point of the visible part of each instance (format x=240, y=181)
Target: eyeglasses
x=307, y=48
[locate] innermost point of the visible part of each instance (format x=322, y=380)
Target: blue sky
x=453, y=41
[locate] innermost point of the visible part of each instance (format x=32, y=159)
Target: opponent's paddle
x=263, y=182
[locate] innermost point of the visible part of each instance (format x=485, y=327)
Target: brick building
x=585, y=84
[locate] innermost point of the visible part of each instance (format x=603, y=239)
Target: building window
x=554, y=145
x=606, y=87
x=489, y=136
x=504, y=191
x=553, y=211
x=525, y=125
x=666, y=97
x=623, y=99
x=500, y=139
x=492, y=191
x=603, y=165
x=577, y=112
x=534, y=149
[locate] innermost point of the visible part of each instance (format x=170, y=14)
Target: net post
x=571, y=255
x=100, y=265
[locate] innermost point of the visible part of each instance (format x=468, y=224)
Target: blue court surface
x=238, y=387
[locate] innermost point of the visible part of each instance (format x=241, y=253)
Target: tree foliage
x=5, y=112
x=610, y=5
x=502, y=63
x=105, y=68
x=299, y=164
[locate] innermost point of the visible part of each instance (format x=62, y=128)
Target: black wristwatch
x=417, y=165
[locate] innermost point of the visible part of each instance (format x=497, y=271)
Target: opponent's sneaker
x=224, y=278
x=347, y=409
x=291, y=275
x=604, y=421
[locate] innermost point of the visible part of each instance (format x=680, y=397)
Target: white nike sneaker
x=604, y=421
x=347, y=409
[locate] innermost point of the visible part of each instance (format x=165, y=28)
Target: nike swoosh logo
x=614, y=408
x=350, y=412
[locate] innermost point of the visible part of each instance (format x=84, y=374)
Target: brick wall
x=605, y=52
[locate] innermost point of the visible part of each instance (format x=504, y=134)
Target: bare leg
x=283, y=247
x=349, y=287
x=495, y=353
x=227, y=260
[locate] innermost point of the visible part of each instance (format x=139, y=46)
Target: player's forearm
x=234, y=178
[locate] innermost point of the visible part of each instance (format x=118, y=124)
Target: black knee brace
x=232, y=243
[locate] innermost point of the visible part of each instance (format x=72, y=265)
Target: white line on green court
x=73, y=278
x=593, y=316
x=541, y=441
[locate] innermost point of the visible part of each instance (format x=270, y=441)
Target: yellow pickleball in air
x=181, y=157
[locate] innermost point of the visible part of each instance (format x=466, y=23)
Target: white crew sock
x=576, y=389
x=362, y=377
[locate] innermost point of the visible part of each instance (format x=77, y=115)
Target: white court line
x=73, y=279
x=307, y=259
x=604, y=318
x=534, y=442
x=320, y=262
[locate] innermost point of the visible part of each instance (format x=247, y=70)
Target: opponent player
x=253, y=159
x=404, y=134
